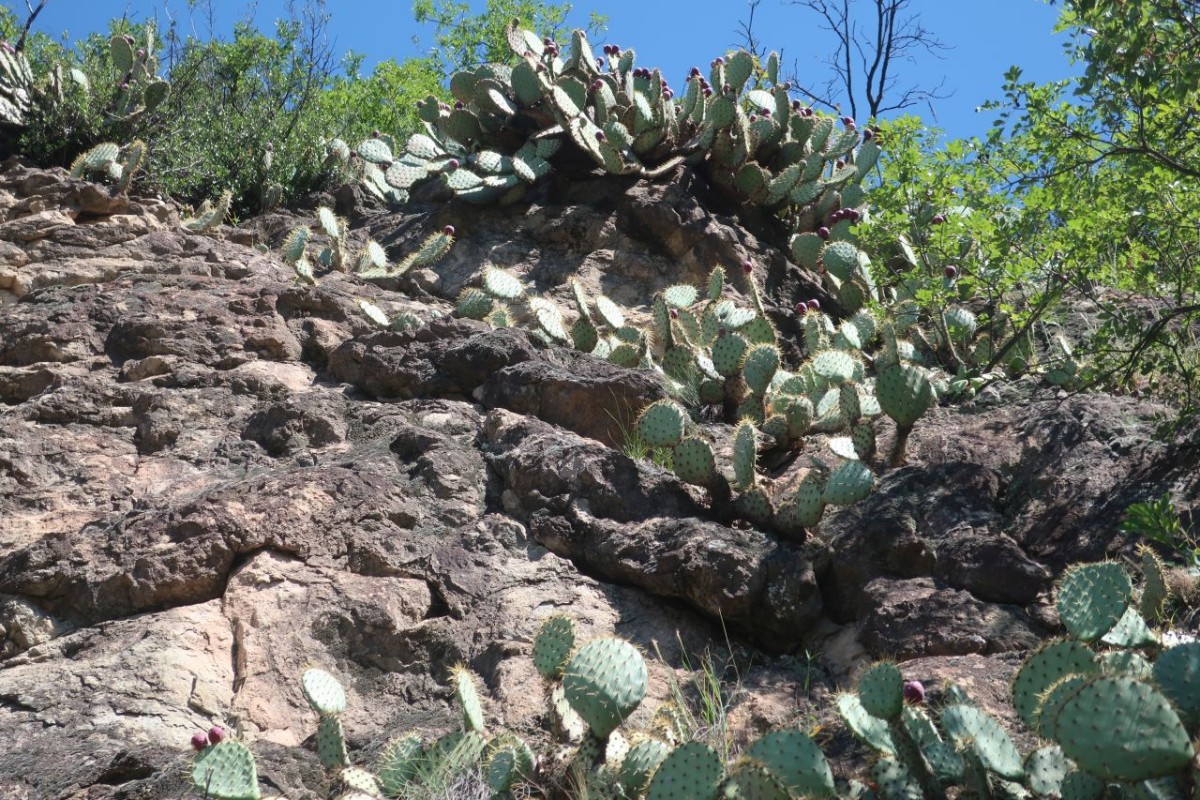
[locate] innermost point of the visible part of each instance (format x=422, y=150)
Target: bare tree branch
x=33, y=13
x=890, y=34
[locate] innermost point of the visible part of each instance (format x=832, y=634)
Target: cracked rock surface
x=211, y=478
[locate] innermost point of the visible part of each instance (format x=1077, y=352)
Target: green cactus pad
x=801, y=509
x=376, y=151
x=662, y=424
x=1177, y=672
x=1048, y=665
x=331, y=743
x=226, y=771
x=323, y=692
x=374, y=313
x=749, y=779
x=604, y=682
x=463, y=681
x=504, y=285
x=841, y=259
x=680, y=296
x=758, y=331
x=904, y=393
x=356, y=779
x=509, y=760
x=850, y=481
x=961, y=324
x=1121, y=729
x=553, y=645
x=693, y=461
x=474, y=303
x=796, y=761
x=745, y=454
x=1045, y=769
x=894, y=781
x=881, y=690
x=691, y=772
x=863, y=440
x=584, y=336
x=1052, y=700
x=640, y=762
x=549, y=319
x=1155, y=591
x=970, y=727
x=868, y=729
x=755, y=506
x=836, y=366
x=716, y=283
x=610, y=312
x=759, y=366
x=1130, y=631
x=776, y=426
x=1129, y=663
x=567, y=724
x=399, y=763
x=727, y=354
x=1092, y=598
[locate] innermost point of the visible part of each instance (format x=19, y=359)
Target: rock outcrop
x=211, y=477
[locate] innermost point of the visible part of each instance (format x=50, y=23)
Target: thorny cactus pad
x=604, y=682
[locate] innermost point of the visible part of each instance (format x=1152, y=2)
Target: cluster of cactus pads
x=508, y=127
x=1116, y=711
x=714, y=352
x=111, y=161
x=139, y=89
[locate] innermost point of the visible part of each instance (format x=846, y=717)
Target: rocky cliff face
x=211, y=477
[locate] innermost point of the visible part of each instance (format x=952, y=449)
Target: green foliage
x=1157, y=521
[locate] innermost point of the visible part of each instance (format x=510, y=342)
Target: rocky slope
x=211, y=477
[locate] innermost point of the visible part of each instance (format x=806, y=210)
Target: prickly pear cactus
x=604, y=682
x=226, y=771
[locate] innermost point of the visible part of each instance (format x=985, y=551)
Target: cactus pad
x=745, y=454
x=1177, y=672
x=796, y=762
x=868, y=729
x=468, y=698
x=640, y=762
x=331, y=743
x=850, y=482
x=399, y=763
x=323, y=692
x=499, y=283
x=970, y=727
x=904, y=394
x=1121, y=729
x=1049, y=664
x=1092, y=598
x=693, y=461
x=759, y=366
x=881, y=691
x=662, y=423
x=226, y=771
x=690, y=772
x=553, y=645
x=604, y=682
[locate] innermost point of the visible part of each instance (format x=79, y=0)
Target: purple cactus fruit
x=796, y=106
x=452, y=164
x=951, y=272
x=444, y=106
x=839, y=163
x=938, y=219
x=847, y=120
x=375, y=134
x=199, y=740
x=766, y=112
x=823, y=232
x=801, y=308
x=674, y=313
x=215, y=734
x=726, y=88
x=529, y=54
x=448, y=230
x=851, y=127
x=695, y=73
x=128, y=39
x=747, y=267
x=753, y=117
x=708, y=91
x=814, y=305
x=599, y=63
x=868, y=134
x=459, y=105
x=914, y=692
x=718, y=61
x=600, y=137
x=667, y=94
x=808, y=112
x=834, y=218
x=141, y=53
x=547, y=41
x=853, y=215
x=354, y=154
x=704, y=83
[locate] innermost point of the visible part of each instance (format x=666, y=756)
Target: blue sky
x=986, y=37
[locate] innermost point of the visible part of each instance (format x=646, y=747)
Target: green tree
x=465, y=40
